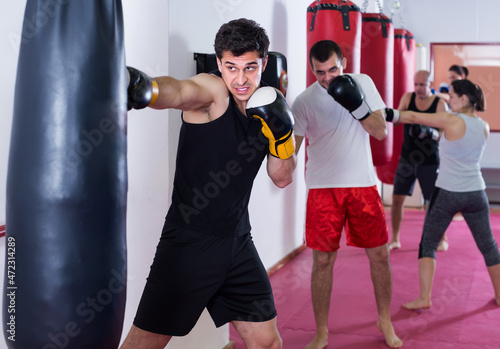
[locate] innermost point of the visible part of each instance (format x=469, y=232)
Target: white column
x=422, y=62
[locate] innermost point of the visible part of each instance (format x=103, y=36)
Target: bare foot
x=320, y=341
x=443, y=245
x=391, y=339
x=497, y=299
x=418, y=303
x=394, y=245
x=458, y=217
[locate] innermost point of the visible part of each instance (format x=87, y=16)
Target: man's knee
x=378, y=254
x=275, y=343
x=259, y=334
x=138, y=338
x=265, y=342
x=323, y=260
x=398, y=200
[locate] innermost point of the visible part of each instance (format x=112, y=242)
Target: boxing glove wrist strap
x=391, y=115
x=362, y=112
x=155, y=91
x=282, y=148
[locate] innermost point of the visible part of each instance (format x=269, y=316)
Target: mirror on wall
x=483, y=62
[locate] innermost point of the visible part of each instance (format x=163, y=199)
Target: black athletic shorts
x=407, y=174
x=192, y=271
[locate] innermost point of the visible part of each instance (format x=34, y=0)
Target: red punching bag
x=405, y=55
x=404, y=70
x=339, y=21
x=377, y=54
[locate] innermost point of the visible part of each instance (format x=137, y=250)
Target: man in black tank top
x=419, y=153
x=206, y=257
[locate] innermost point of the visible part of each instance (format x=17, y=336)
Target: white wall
x=147, y=48
x=10, y=29
x=161, y=37
x=10, y=32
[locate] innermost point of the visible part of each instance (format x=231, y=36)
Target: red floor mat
x=463, y=316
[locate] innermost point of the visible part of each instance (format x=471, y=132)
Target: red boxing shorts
x=329, y=209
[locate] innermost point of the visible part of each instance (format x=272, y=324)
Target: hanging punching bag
x=65, y=279
x=377, y=52
x=404, y=70
x=339, y=21
x=405, y=55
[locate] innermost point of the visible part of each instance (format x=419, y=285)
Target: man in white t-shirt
x=337, y=114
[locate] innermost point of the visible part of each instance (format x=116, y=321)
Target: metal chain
x=365, y=6
x=396, y=7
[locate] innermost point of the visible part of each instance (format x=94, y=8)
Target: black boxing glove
x=347, y=93
x=142, y=89
x=423, y=132
x=269, y=106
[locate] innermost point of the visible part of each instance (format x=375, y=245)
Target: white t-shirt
x=338, y=153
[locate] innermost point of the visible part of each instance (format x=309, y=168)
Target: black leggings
x=475, y=209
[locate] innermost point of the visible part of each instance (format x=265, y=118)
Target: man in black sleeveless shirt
x=419, y=153
x=206, y=257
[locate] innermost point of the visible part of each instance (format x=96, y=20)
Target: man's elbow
x=380, y=134
x=281, y=171
x=282, y=182
x=282, y=178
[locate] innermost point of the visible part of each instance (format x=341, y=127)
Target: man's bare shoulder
x=210, y=81
x=218, y=93
x=407, y=96
x=404, y=102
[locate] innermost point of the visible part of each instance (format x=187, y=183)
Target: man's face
x=422, y=86
x=326, y=71
x=242, y=74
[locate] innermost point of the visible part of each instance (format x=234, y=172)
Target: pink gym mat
x=464, y=314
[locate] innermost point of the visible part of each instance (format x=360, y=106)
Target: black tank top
x=420, y=151
x=215, y=168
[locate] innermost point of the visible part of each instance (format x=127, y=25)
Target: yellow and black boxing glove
x=269, y=106
x=142, y=89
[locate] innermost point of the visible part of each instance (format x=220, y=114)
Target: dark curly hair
x=240, y=36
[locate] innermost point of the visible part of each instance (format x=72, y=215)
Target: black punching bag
x=65, y=279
